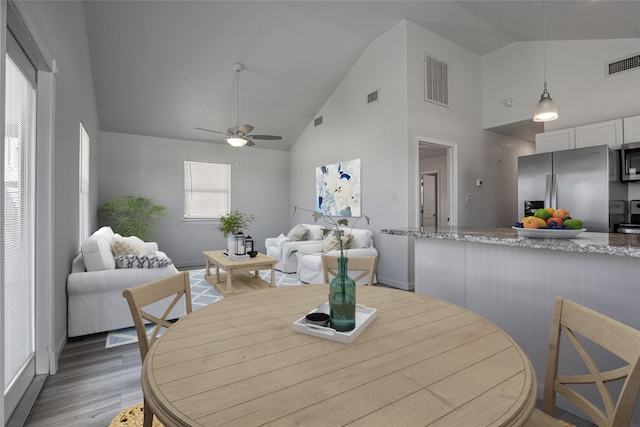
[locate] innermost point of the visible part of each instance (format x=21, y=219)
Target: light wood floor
x=91, y=386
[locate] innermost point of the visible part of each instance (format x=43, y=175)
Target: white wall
x=62, y=27
x=375, y=133
x=575, y=78
x=385, y=136
x=154, y=167
x=481, y=154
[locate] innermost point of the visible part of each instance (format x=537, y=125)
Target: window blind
x=84, y=186
x=207, y=188
x=19, y=221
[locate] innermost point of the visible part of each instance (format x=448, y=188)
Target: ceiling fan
x=238, y=136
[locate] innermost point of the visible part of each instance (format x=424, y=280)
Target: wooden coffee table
x=236, y=272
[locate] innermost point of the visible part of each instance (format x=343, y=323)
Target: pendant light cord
x=544, y=47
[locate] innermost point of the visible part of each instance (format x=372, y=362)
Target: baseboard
x=395, y=284
x=54, y=355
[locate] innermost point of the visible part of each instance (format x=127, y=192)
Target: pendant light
x=546, y=109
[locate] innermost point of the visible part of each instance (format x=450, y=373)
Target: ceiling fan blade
x=249, y=143
x=214, y=131
x=245, y=129
x=271, y=137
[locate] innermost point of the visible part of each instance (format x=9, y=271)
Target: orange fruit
x=560, y=213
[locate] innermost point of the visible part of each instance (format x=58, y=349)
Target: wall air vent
x=373, y=97
x=621, y=65
x=318, y=121
x=436, y=81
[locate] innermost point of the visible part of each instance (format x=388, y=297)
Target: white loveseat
x=94, y=287
x=310, y=259
x=282, y=247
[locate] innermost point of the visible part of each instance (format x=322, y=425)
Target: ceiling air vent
x=318, y=121
x=621, y=65
x=373, y=97
x=436, y=81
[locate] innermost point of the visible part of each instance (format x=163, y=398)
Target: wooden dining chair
x=177, y=286
x=365, y=265
x=580, y=324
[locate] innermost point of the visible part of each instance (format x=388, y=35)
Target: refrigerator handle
x=554, y=191
x=547, y=191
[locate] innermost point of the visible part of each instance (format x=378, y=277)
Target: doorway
x=437, y=183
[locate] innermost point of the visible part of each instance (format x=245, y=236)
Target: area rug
x=202, y=294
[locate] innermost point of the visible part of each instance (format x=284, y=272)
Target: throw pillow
x=119, y=247
x=280, y=240
x=316, y=232
x=298, y=233
x=361, y=238
x=131, y=245
x=142, y=261
x=330, y=243
x=140, y=245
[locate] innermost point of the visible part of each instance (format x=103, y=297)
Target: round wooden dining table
x=420, y=362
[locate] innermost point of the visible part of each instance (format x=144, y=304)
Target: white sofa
x=94, y=287
x=310, y=259
x=282, y=247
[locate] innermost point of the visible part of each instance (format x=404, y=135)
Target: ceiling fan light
x=237, y=142
x=546, y=109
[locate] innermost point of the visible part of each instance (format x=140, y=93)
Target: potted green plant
x=132, y=216
x=233, y=224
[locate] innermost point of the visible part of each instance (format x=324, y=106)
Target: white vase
x=231, y=244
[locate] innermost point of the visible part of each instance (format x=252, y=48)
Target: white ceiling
x=162, y=68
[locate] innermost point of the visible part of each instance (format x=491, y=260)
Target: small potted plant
x=233, y=224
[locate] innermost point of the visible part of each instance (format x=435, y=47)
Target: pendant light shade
x=546, y=109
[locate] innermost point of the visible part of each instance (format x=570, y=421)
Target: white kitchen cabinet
x=609, y=132
x=631, y=129
x=563, y=139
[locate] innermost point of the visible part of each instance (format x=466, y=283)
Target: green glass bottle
x=342, y=299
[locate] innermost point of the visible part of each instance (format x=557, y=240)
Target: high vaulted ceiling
x=163, y=68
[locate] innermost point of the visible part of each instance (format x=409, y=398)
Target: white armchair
x=282, y=246
x=310, y=256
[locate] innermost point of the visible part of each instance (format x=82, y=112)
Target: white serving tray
x=364, y=316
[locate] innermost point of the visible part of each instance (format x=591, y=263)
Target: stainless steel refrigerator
x=584, y=181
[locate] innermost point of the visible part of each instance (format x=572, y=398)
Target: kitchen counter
x=512, y=281
x=627, y=245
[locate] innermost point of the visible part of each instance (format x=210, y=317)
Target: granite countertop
x=598, y=243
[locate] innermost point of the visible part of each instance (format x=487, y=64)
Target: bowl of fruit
x=549, y=223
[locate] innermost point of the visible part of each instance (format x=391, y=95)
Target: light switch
x=469, y=198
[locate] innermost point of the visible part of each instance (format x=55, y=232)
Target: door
x=429, y=190
x=534, y=180
x=582, y=183
x=19, y=230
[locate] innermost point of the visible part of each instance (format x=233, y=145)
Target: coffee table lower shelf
x=243, y=281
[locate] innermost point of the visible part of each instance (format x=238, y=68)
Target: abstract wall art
x=338, y=189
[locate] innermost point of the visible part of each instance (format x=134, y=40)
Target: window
x=84, y=186
x=206, y=189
